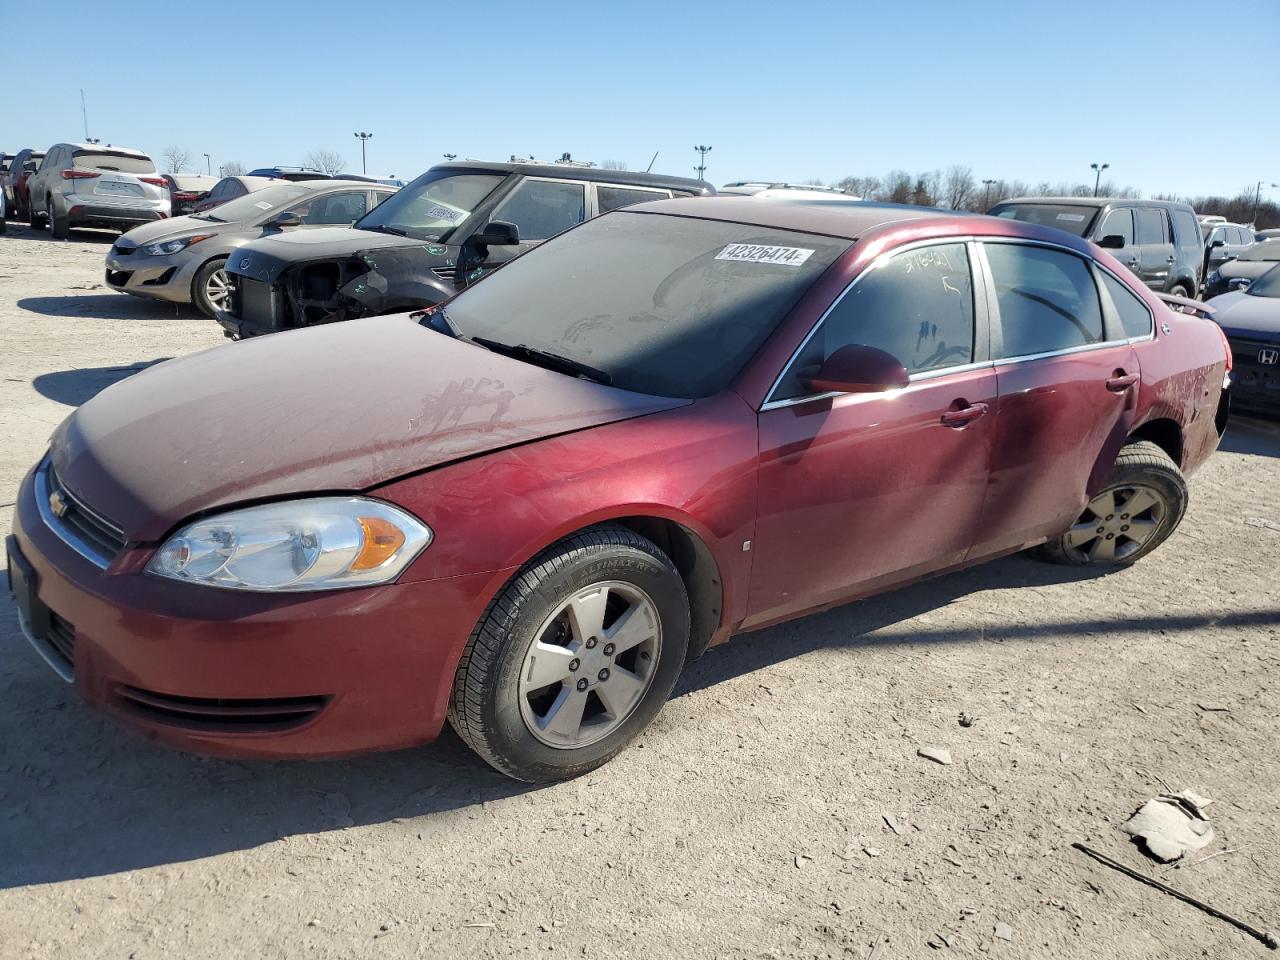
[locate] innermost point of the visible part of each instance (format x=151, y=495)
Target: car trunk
x=114, y=180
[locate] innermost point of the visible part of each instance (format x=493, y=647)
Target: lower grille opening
x=161, y=280
x=118, y=278
x=62, y=638
x=224, y=714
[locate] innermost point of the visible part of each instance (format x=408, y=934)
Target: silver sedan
x=183, y=259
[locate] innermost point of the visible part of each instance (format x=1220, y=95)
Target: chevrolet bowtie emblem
x=58, y=504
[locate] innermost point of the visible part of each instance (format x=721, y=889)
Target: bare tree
x=326, y=161
x=176, y=159
x=232, y=168
x=958, y=187
x=614, y=165
x=897, y=186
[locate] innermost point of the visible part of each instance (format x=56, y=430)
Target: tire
x=1104, y=535
x=200, y=285
x=59, y=226
x=498, y=701
x=34, y=220
x=1179, y=291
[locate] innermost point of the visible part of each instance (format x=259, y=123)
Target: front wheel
x=210, y=290
x=574, y=658
x=1141, y=505
x=1179, y=291
x=34, y=220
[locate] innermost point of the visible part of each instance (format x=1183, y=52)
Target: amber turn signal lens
x=381, y=541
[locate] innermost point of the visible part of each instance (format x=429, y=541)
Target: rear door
x=1154, y=239
x=1067, y=378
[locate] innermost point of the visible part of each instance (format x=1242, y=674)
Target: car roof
x=1095, y=201
x=108, y=148
x=573, y=172
x=833, y=218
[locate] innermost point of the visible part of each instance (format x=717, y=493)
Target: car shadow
x=1251, y=435
x=20, y=231
x=84, y=796
x=110, y=306
x=74, y=387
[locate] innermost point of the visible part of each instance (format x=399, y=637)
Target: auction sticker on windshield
x=760, y=253
x=1071, y=217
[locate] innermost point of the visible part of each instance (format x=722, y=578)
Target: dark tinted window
x=335, y=209
x=1070, y=217
x=543, y=208
x=1134, y=315
x=673, y=306
x=1047, y=299
x=1186, y=230
x=917, y=306
x=1150, y=225
x=1240, y=235
x=611, y=198
x=1117, y=223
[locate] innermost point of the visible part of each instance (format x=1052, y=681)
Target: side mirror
x=499, y=233
x=286, y=218
x=29, y=166
x=1112, y=241
x=857, y=368
x=1217, y=243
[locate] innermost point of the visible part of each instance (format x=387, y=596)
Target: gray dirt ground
x=737, y=826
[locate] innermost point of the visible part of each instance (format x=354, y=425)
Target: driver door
x=859, y=491
x=540, y=208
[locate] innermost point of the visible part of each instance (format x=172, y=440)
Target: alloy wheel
x=217, y=289
x=590, y=665
x=1116, y=524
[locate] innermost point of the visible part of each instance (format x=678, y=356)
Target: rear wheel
x=1179, y=291
x=1141, y=505
x=210, y=290
x=574, y=658
x=59, y=226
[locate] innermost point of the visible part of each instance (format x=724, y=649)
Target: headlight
x=166, y=247
x=326, y=543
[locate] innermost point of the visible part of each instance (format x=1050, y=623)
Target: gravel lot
x=750, y=821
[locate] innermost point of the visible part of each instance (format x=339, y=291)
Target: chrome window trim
x=60, y=529
x=48, y=656
x=923, y=377
x=876, y=264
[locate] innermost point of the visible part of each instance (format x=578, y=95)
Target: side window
x=1242, y=235
x=611, y=198
x=1186, y=230
x=1150, y=226
x=917, y=306
x=1118, y=223
x=379, y=196
x=1135, y=316
x=1047, y=299
x=335, y=209
x=1219, y=234
x=543, y=208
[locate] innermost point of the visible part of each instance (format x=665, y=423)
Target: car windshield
x=1069, y=217
x=1267, y=285
x=1266, y=250
x=122, y=162
x=432, y=206
x=258, y=203
x=672, y=306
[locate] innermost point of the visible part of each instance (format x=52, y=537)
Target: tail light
x=154, y=181
x=183, y=195
x=79, y=174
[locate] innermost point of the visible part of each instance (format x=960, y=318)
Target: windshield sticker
x=760, y=253
x=263, y=205
x=447, y=214
x=1071, y=217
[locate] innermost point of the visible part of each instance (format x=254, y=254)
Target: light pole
x=1257, y=200
x=1097, y=179
x=986, y=194
x=208, y=166
x=363, y=138
x=702, y=161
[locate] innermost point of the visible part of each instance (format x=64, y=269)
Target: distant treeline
x=956, y=188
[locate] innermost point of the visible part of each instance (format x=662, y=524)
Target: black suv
x=1158, y=240
x=455, y=223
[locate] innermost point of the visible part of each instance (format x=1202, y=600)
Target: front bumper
x=156, y=278
x=243, y=674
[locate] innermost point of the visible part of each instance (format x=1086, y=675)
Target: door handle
x=964, y=415
x=1170, y=258
x=1121, y=382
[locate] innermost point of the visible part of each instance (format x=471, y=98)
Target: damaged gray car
x=451, y=226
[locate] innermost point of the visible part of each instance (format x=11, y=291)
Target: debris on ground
x=1265, y=937
x=966, y=720
x=936, y=754
x=1208, y=706
x=1171, y=825
x=1003, y=931
x=892, y=823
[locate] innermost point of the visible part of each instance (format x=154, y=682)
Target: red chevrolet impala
x=525, y=510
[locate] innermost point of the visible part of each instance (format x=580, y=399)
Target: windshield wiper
x=385, y=228
x=543, y=358
x=210, y=217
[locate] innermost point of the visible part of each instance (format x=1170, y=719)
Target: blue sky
x=1027, y=90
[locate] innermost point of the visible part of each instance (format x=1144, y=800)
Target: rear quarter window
x=1135, y=316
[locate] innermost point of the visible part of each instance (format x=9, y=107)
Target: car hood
x=342, y=407
x=267, y=258
x=1241, y=315
x=1249, y=269
x=171, y=227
